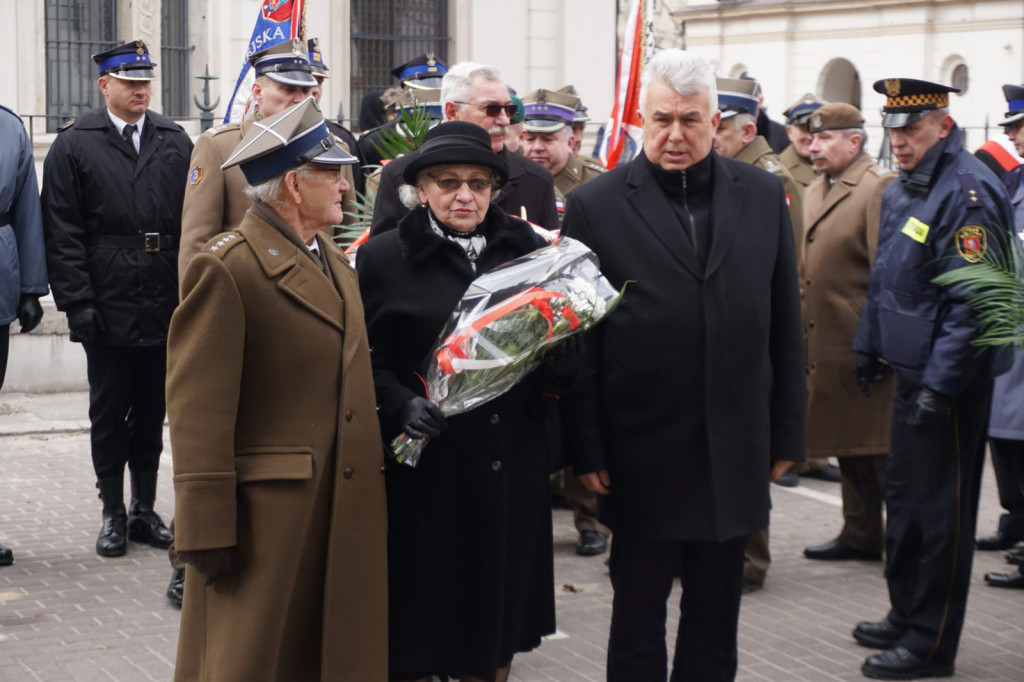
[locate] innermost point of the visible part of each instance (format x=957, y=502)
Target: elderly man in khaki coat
x=278, y=459
x=841, y=216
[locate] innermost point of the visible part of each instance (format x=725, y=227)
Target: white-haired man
x=694, y=388
x=478, y=94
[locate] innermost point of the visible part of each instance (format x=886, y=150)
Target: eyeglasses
x=455, y=184
x=335, y=173
x=494, y=110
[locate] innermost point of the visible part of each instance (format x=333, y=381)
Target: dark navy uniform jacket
x=942, y=215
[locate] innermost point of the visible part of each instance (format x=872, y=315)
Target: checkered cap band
x=931, y=100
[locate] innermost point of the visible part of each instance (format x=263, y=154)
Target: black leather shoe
x=149, y=528
x=1013, y=580
x=592, y=543
x=829, y=472
x=750, y=586
x=176, y=590
x=6, y=556
x=837, y=551
x=996, y=542
x=900, y=664
x=113, y=537
x=880, y=635
x=787, y=480
x=1015, y=556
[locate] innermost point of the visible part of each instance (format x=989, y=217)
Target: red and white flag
x=623, y=129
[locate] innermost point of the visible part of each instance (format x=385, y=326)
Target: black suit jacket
x=695, y=384
x=529, y=186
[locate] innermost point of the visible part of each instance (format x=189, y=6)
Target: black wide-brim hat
x=456, y=143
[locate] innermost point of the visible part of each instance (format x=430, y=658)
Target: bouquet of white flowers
x=504, y=324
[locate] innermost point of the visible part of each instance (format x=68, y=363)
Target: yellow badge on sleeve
x=195, y=175
x=916, y=230
x=972, y=242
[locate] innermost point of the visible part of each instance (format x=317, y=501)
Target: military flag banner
x=278, y=21
x=623, y=128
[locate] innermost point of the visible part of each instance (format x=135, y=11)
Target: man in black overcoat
x=694, y=389
x=113, y=185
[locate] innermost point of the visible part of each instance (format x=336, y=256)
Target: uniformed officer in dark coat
x=694, y=393
x=113, y=184
x=944, y=212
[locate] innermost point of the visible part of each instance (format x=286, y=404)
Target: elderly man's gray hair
x=269, y=191
x=457, y=84
x=686, y=73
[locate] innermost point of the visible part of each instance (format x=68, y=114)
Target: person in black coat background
x=469, y=541
x=113, y=186
x=477, y=93
x=694, y=389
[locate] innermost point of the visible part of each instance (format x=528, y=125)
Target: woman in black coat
x=470, y=557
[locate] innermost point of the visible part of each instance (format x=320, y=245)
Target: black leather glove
x=212, y=563
x=86, y=324
x=29, y=312
x=421, y=418
x=870, y=369
x=930, y=410
x=563, y=361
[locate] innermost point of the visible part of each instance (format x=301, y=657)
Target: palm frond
x=407, y=136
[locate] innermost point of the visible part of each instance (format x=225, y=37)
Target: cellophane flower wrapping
x=505, y=323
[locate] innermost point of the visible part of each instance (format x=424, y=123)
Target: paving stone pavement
x=67, y=614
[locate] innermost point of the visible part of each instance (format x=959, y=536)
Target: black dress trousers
x=932, y=487
x=126, y=407
x=1008, y=463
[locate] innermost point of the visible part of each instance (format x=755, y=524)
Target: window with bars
x=386, y=33
x=75, y=30
x=174, y=54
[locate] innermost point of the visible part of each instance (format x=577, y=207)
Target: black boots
x=6, y=556
x=139, y=524
x=143, y=523
x=113, y=538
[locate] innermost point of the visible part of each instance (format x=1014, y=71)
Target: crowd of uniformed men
x=767, y=319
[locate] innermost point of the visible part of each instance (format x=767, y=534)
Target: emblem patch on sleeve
x=972, y=242
x=916, y=230
x=195, y=175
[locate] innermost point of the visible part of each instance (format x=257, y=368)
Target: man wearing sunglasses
x=477, y=93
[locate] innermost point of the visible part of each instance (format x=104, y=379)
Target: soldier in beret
x=113, y=183
x=946, y=211
x=841, y=217
x=278, y=460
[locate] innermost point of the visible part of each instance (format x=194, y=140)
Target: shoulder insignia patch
x=972, y=192
x=224, y=242
x=772, y=167
x=195, y=176
x=67, y=125
x=972, y=242
x=222, y=129
x=916, y=230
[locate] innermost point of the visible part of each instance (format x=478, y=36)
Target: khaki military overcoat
x=839, y=249
x=575, y=172
x=277, y=453
x=761, y=155
x=802, y=171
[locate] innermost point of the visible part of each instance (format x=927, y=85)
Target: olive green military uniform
x=801, y=170
x=576, y=171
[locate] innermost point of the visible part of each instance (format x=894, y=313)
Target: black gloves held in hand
x=86, y=324
x=421, y=418
x=564, y=360
x=29, y=312
x=870, y=369
x=930, y=410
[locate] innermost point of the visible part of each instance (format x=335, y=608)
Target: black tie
x=127, y=133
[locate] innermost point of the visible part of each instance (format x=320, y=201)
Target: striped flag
x=623, y=128
x=279, y=20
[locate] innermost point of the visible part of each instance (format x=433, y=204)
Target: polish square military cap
x=548, y=111
x=581, y=115
x=424, y=71
x=908, y=99
x=738, y=96
x=286, y=140
x=129, y=61
x=316, y=58
x=425, y=98
x=799, y=111
x=286, y=62
x=834, y=116
x=1015, y=102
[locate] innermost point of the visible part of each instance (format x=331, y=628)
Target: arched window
x=840, y=82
